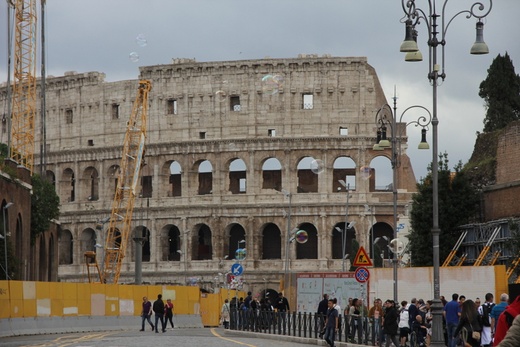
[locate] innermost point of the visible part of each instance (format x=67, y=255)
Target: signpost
x=362, y=258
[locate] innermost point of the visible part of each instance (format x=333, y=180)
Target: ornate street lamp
x=388, y=116
x=437, y=37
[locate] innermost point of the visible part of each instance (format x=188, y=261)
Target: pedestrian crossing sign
x=362, y=258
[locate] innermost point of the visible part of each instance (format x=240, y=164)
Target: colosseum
x=239, y=155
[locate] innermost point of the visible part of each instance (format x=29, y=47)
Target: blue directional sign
x=237, y=269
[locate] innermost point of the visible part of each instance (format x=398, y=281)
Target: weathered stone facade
x=222, y=154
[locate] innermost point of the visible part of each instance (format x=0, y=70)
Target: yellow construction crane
x=24, y=84
x=119, y=228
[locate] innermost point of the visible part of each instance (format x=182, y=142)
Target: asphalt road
x=200, y=337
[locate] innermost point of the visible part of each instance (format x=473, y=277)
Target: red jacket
x=505, y=319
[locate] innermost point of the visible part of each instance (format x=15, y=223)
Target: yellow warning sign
x=362, y=258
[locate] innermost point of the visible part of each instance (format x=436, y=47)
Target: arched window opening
x=272, y=174
x=205, y=171
x=237, y=177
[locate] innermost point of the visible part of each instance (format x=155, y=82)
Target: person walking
x=225, y=314
x=158, y=309
x=451, y=314
x=331, y=323
x=390, y=325
x=322, y=313
x=469, y=327
x=146, y=313
x=168, y=313
x=484, y=312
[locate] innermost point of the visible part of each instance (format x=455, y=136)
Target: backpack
x=486, y=310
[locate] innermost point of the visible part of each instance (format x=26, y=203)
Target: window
x=235, y=103
x=202, y=135
x=343, y=131
x=68, y=116
x=271, y=132
x=91, y=143
x=308, y=101
x=115, y=111
x=172, y=106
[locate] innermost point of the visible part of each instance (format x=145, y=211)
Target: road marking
x=230, y=340
x=64, y=341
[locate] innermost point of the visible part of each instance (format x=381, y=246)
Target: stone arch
x=202, y=243
x=144, y=233
x=87, y=241
x=337, y=246
x=51, y=177
x=307, y=180
x=344, y=168
x=382, y=167
x=146, y=181
x=309, y=249
x=170, y=243
x=237, y=176
x=383, y=234
x=272, y=174
x=18, y=236
x=205, y=177
x=112, y=177
x=173, y=170
x=90, y=183
x=236, y=234
x=68, y=186
x=271, y=242
x=65, y=249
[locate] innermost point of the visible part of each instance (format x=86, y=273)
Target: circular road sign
x=362, y=274
x=237, y=269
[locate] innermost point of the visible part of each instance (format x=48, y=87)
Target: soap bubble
x=365, y=172
x=240, y=254
x=141, y=40
x=271, y=84
x=134, y=57
x=302, y=236
x=220, y=95
x=317, y=166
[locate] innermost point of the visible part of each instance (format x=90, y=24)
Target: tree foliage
x=457, y=206
x=501, y=93
x=44, y=206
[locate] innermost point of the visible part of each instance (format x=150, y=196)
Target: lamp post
x=347, y=226
x=387, y=115
x=288, y=195
x=370, y=210
x=9, y=204
x=413, y=17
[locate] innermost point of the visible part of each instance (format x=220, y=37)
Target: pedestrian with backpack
x=484, y=311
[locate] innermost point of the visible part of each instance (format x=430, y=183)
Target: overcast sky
x=99, y=35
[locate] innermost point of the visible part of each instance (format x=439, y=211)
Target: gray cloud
x=99, y=35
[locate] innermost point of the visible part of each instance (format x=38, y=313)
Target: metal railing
x=356, y=329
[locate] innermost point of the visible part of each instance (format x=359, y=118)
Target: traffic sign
x=362, y=258
x=237, y=269
x=362, y=274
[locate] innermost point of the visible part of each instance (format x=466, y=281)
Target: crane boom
x=119, y=228
x=24, y=84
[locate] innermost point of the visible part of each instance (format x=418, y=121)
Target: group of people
x=474, y=324
x=163, y=313
x=466, y=323
x=251, y=313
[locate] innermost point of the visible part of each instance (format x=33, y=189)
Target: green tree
x=44, y=206
x=501, y=93
x=457, y=206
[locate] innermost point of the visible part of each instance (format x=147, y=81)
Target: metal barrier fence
x=356, y=329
